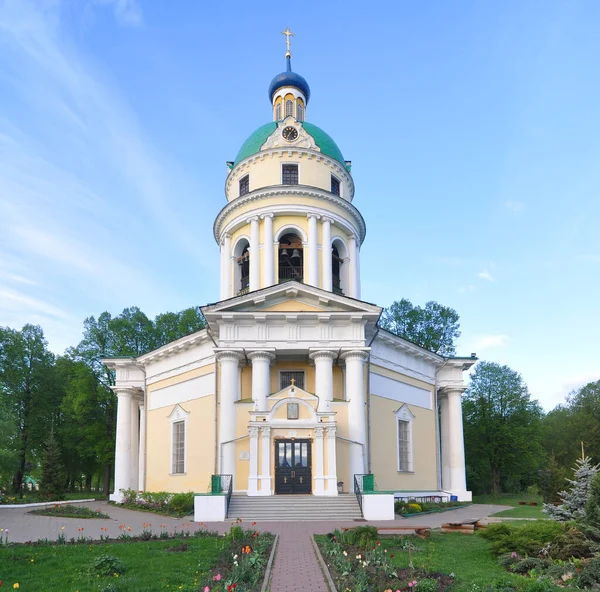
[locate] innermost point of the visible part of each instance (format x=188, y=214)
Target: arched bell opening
x=241, y=272
x=291, y=258
x=339, y=267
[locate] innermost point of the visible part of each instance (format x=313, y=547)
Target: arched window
x=244, y=263
x=336, y=268
x=289, y=108
x=291, y=258
x=299, y=112
x=278, y=112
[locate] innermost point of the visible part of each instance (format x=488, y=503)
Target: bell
x=283, y=253
x=296, y=255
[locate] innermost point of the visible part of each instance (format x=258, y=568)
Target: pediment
x=291, y=297
x=292, y=392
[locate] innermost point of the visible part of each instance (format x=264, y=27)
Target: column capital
x=319, y=432
x=268, y=215
x=331, y=430
x=323, y=354
x=266, y=431
x=327, y=219
x=448, y=391
x=253, y=432
x=355, y=354
x=261, y=355
x=252, y=219
x=312, y=215
x=229, y=356
x=130, y=392
x=224, y=237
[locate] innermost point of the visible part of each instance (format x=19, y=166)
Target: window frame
x=278, y=112
x=299, y=112
x=339, y=186
x=289, y=102
x=177, y=416
x=405, y=416
x=290, y=164
x=295, y=371
x=246, y=180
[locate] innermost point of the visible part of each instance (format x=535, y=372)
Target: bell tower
x=289, y=215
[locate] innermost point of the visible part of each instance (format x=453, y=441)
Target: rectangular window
x=178, y=447
x=289, y=174
x=244, y=185
x=404, y=445
x=285, y=379
x=335, y=185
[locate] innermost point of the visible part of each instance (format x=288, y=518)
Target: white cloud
x=514, y=206
x=484, y=342
x=466, y=289
x=15, y=301
x=128, y=13
x=486, y=275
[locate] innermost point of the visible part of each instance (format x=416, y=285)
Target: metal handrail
x=359, y=493
x=225, y=485
x=229, y=486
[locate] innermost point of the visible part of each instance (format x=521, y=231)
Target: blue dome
x=289, y=78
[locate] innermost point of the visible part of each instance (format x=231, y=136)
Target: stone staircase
x=293, y=507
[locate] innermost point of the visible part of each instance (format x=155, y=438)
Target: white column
x=444, y=440
x=142, y=452
x=122, y=444
x=318, y=458
x=453, y=445
x=324, y=377
x=355, y=394
x=313, y=252
x=229, y=393
x=253, y=476
x=358, y=272
x=326, y=282
x=135, y=442
x=331, y=462
x=261, y=378
x=265, y=477
x=353, y=272
x=254, y=254
x=226, y=279
x=268, y=252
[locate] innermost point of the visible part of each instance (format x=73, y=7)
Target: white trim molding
x=178, y=415
x=403, y=414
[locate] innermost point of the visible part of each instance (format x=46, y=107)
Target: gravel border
x=267, y=579
x=43, y=504
x=323, y=565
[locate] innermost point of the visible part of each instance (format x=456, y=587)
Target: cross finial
x=293, y=381
x=288, y=34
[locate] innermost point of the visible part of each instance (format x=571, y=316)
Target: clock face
x=289, y=133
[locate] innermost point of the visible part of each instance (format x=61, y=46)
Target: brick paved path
x=296, y=568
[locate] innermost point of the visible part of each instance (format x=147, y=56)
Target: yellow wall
x=208, y=369
x=199, y=442
x=384, y=447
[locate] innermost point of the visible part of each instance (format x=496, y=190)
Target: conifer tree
x=574, y=500
x=53, y=472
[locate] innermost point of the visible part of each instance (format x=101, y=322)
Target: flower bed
x=69, y=511
x=177, y=505
x=242, y=564
x=410, y=507
x=359, y=562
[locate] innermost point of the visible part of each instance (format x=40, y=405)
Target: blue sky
x=473, y=128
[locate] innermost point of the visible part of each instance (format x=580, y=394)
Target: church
x=292, y=388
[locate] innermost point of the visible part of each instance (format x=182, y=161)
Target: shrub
x=364, y=536
x=533, y=490
x=107, y=565
x=428, y=585
x=524, y=566
x=182, y=503
x=129, y=496
x=524, y=540
x=590, y=574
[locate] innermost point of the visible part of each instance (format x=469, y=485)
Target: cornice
x=174, y=347
x=290, y=190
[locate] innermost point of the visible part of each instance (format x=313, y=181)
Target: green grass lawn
x=518, y=511
x=149, y=566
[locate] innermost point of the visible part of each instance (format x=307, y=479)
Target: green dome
x=259, y=137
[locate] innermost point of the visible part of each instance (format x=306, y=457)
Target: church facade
x=292, y=388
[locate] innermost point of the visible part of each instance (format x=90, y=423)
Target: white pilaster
x=122, y=444
x=326, y=283
x=226, y=279
x=324, y=377
x=253, y=476
x=453, y=446
x=265, y=477
x=331, y=462
x=268, y=251
x=313, y=254
x=229, y=393
x=318, y=458
x=353, y=273
x=142, y=450
x=135, y=443
x=355, y=394
x=254, y=254
x=261, y=378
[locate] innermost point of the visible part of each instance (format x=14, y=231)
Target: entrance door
x=292, y=466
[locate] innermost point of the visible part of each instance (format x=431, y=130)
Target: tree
x=574, y=500
x=52, y=483
x=592, y=509
x=502, y=430
x=434, y=327
x=550, y=479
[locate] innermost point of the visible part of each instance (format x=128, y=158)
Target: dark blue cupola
x=289, y=78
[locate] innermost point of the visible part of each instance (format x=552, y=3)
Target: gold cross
x=293, y=381
x=288, y=34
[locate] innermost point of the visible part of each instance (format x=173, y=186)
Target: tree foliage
x=434, y=327
x=502, y=430
x=53, y=483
